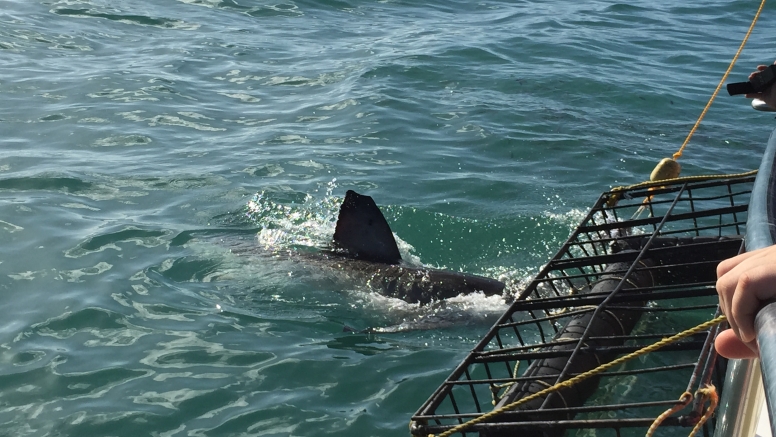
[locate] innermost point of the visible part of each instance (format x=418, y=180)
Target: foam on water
x=307, y=224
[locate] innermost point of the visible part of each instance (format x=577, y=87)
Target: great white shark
x=363, y=248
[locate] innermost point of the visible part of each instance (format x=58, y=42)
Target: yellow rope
x=724, y=78
x=685, y=179
x=710, y=392
x=684, y=401
x=495, y=389
x=615, y=197
x=570, y=382
x=707, y=392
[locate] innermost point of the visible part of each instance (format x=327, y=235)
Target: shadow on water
x=43, y=183
x=363, y=344
x=142, y=20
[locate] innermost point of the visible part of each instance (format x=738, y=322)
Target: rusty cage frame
x=680, y=232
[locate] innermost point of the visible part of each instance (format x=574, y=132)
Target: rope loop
x=707, y=392
x=684, y=401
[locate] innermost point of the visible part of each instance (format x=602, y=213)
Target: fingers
x=727, y=284
x=729, y=346
x=755, y=286
x=744, y=283
x=727, y=265
x=759, y=69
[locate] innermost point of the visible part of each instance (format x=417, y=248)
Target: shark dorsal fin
x=363, y=232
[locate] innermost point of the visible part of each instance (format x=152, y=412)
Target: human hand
x=744, y=282
x=768, y=95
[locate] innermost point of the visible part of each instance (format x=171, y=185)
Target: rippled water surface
x=154, y=155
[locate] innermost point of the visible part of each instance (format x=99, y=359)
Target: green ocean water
x=152, y=154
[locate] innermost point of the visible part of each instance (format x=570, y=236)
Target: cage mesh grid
x=676, y=233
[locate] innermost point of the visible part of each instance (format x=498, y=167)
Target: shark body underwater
x=364, y=250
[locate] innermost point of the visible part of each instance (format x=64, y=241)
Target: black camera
x=758, y=83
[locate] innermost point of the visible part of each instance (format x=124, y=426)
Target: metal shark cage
x=633, y=272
